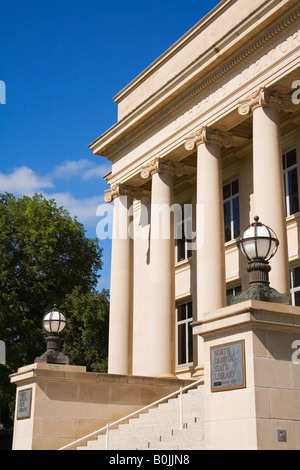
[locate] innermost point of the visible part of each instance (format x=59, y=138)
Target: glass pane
x=235, y=187
x=226, y=191
x=190, y=343
x=283, y=161
x=236, y=217
x=190, y=310
x=237, y=290
x=181, y=346
x=293, y=191
x=227, y=221
x=297, y=299
x=180, y=249
x=291, y=158
x=296, y=277
x=229, y=295
x=292, y=278
x=285, y=191
x=181, y=312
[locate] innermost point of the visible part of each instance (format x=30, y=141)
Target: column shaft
x=162, y=288
x=211, y=286
x=121, y=291
x=161, y=360
x=269, y=200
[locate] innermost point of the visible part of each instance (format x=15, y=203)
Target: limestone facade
x=212, y=127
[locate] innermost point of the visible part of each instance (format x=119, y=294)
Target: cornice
x=105, y=145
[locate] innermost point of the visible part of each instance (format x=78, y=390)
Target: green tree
x=46, y=259
x=86, y=335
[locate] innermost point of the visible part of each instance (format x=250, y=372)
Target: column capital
x=265, y=97
x=157, y=165
x=208, y=135
x=118, y=190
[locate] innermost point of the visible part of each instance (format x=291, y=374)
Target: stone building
x=213, y=126
x=207, y=138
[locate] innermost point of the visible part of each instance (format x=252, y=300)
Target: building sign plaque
x=24, y=404
x=228, y=366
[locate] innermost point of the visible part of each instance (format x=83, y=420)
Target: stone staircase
x=159, y=427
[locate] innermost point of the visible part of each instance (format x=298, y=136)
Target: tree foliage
x=46, y=259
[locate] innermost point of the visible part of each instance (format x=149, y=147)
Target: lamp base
x=263, y=292
x=53, y=357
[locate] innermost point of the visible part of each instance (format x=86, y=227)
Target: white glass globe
x=258, y=242
x=54, y=321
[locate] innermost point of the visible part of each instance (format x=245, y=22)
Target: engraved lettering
x=257, y=67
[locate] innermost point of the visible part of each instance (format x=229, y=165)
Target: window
x=295, y=285
x=232, y=292
x=184, y=318
x=231, y=210
x=289, y=160
x=183, y=232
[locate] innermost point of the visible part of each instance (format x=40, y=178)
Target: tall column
x=211, y=283
x=162, y=268
x=268, y=187
x=121, y=288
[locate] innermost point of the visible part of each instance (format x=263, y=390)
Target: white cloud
x=84, y=209
x=84, y=168
x=24, y=181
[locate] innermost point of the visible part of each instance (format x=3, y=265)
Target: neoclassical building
x=211, y=131
x=207, y=140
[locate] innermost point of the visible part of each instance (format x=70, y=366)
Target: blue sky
x=62, y=61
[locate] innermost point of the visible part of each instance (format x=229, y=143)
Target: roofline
x=173, y=49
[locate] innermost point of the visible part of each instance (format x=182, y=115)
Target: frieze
x=271, y=57
x=254, y=69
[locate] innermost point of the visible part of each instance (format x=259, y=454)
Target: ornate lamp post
x=54, y=321
x=258, y=243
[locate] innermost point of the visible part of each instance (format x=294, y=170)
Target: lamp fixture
x=259, y=243
x=54, y=322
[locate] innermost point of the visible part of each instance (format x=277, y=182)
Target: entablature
x=272, y=59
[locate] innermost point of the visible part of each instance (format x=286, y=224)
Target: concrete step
x=159, y=428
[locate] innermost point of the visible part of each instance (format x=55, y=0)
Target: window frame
x=293, y=289
x=188, y=339
x=233, y=287
x=286, y=171
x=230, y=199
x=183, y=242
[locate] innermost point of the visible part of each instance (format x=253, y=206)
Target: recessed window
x=184, y=318
x=231, y=293
x=295, y=285
x=290, y=178
x=183, y=232
x=231, y=210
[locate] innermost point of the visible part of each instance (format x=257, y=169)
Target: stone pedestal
x=263, y=412
x=58, y=404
